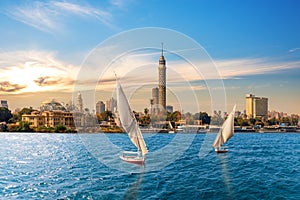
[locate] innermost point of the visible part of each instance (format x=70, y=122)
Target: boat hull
x=133, y=159
x=221, y=150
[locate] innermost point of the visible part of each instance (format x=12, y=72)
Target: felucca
x=225, y=133
x=131, y=126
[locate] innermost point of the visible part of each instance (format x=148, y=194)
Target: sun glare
x=30, y=74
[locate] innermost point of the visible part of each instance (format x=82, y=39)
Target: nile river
x=87, y=166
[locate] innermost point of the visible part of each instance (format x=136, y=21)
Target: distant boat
x=225, y=133
x=202, y=131
x=171, y=128
x=179, y=129
x=131, y=126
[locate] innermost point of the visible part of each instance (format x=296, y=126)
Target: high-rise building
x=100, y=107
x=155, y=95
x=111, y=105
x=162, y=81
x=79, y=104
x=4, y=104
x=256, y=106
x=154, y=101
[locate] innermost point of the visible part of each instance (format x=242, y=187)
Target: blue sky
x=255, y=44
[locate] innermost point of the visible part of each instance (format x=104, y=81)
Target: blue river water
x=61, y=166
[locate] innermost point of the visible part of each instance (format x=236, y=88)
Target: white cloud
x=38, y=15
x=141, y=68
x=200, y=70
x=102, y=16
x=50, y=16
x=36, y=71
x=248, y=66
x=42, y=71
x=120, y=4
x=294, y=49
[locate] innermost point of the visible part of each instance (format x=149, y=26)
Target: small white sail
x=227, y=130
x=128, y=121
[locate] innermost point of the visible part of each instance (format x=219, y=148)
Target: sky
x=253, y=45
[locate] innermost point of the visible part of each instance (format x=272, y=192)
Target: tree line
x=144, y=119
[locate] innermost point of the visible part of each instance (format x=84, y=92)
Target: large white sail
x=128, y=120
x=227, y=130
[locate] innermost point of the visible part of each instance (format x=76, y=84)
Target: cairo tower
x=162, y=81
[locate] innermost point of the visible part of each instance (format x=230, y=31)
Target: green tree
x=24, y=127
x=259, y=122
x=146, y=111
x=285, y=120
x=174, y=116
x=271, y=121
x=105, y=116
x=294, y=121
x=24, y=111
x=14, y=119
x=145, y=120
x=3, y=127
x=252, y=121
x=5, y=115
x=203, y=116
x=217, y=119
x=238, y=121
x=45, y=129
x=245, y=122
x=60, y=128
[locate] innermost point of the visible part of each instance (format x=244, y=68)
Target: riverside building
x=100, y=107
x=256, y=106
x=4, y=104
x=49, y=118
x=51, y=114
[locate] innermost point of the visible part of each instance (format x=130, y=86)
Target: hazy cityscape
x=53, y=116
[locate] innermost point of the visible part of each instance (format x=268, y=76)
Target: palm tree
x=146, y=111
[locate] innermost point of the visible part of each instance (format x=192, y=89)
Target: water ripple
x=59, y=166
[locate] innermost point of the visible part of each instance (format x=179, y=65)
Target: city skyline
x=255, y=46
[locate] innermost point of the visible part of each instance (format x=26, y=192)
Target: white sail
x=128, y=121
x=227, y=130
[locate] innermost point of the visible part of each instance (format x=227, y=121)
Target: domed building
x=51, y=105
x=51, y=114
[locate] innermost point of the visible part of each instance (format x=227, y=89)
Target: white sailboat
x=225, y=133
x=131, y=126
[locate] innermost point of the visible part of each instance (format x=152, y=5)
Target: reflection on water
x=59, y=166
x=225, y=173
x=107, y=148
x=132, y=192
